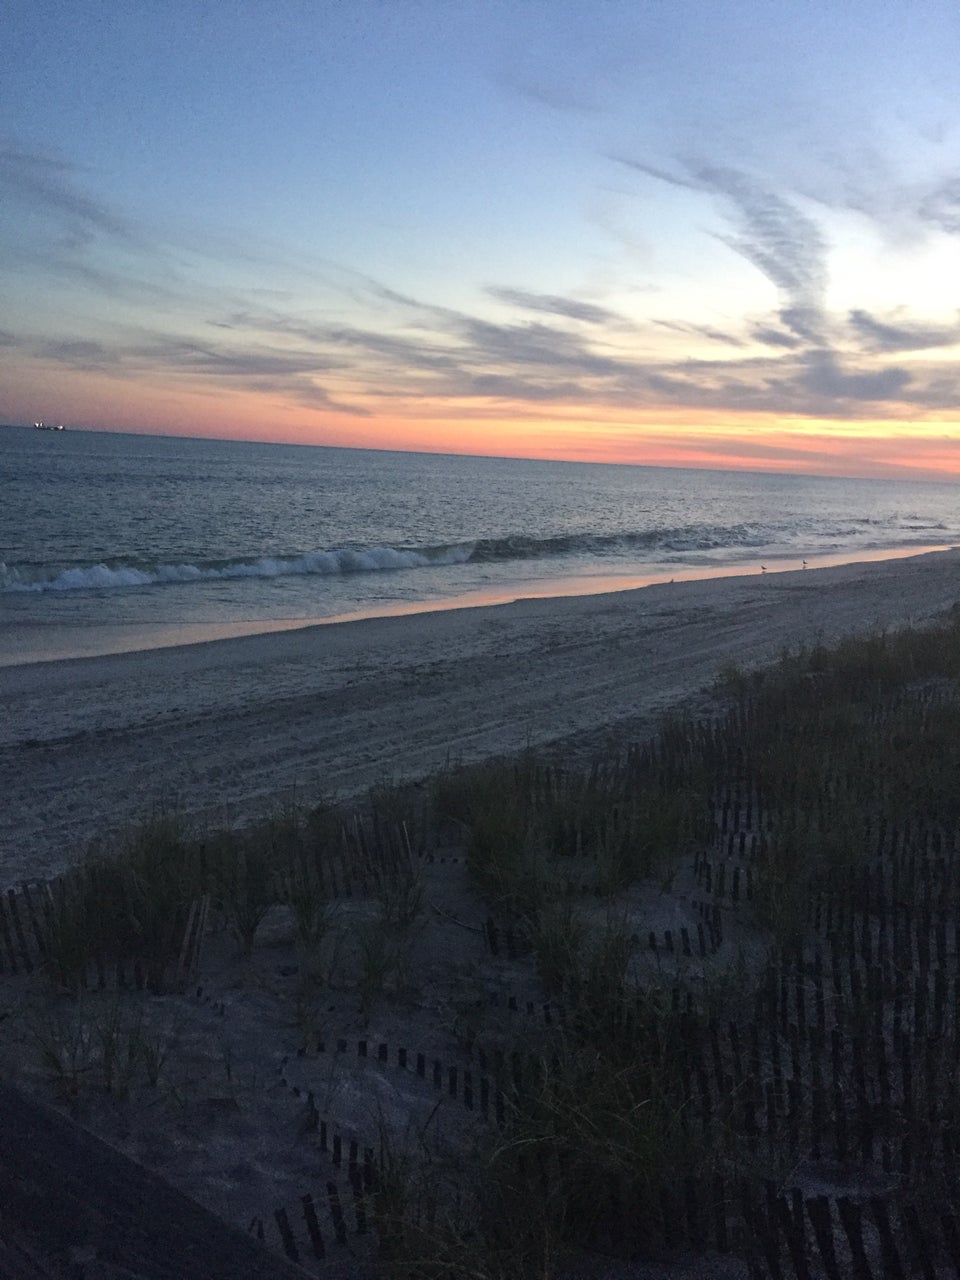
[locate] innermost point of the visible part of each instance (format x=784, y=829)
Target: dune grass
x=827, y=750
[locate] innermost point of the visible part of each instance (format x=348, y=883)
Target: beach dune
x=225, y=730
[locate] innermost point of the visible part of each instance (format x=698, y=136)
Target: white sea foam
x=343, y=560
x=735, y=539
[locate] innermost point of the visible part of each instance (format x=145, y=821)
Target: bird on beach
x=763, y=568
x=804, y=564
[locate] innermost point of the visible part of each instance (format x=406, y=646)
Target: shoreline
x=225, y=730
x=27, y=643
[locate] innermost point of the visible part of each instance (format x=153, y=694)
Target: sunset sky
x=706, y=233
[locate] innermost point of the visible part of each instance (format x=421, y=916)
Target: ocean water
x=111, y=542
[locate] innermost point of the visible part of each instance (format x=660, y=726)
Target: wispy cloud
x=343, y=340
x=558, y=95
x=893, y=334
x=940, y=206
x=818, y=371
x=770, y=335
x=45, y=183
x=79, y=354
x=702, y=331
x=903, y=210
x=770, y=232
x=570, y=308
x=823, y=376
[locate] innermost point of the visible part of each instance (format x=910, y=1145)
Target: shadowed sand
x=225, y=729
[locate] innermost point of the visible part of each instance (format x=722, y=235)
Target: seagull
x=804, y=564
x=763, y=568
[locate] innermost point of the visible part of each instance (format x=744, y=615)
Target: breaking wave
x=136, y=572
x=323, y=563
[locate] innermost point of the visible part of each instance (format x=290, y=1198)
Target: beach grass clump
x=424, y=1209
x=125, y=902
x=243, y=882
x=280, y=860
x=590, y=1139
x=534, y=832
x=509, y=865
x=380, y=953
x=298, y=850
x=488, y=808
x=841, y=740
x=854, y=668
x=300, y=888
x=165, y=867
x=65, y=1047
x=120, y=1041
x=596, y=1122
x=103, y=1043
x=651, y=827
x=382, y=941
x=505, y=849
x=557, y=938
x=586, y=1144
x=71, y=948
x=395, y=873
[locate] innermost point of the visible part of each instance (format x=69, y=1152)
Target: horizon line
x=909, y=477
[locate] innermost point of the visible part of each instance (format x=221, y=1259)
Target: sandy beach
x=271, y=1060
x=225, y=730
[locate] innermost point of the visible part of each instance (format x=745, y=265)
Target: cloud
x=396, y=351
x=537, y=345
x=558, y=95
x=342, y=340
x=129, y=283
x=656, y=171
x=770, y=336
x=904, y=211
x=780, y=241
x=256, y=367
x=824, y=377
x=307, y=393
x=506, y=387
x=570, y=308
x=811, y=375
x=770, y=232
x=251, y=361
x=474, y=359
x=894, y=335
x=78, y=354
x=46, y=184
x=701, y=331
x=940, y=206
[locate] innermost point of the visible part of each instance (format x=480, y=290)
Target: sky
x=686, y=232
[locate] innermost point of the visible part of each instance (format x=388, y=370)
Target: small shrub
x=66, y=1048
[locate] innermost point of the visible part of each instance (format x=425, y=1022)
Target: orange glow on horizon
x=926, y=448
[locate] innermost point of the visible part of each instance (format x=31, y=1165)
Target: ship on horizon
x=48, y=426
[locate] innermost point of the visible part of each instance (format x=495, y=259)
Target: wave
x=348, y=560
x=324, y=563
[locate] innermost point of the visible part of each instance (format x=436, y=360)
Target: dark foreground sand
x=227, y=729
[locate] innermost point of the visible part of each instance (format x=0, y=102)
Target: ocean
x=115, y=542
